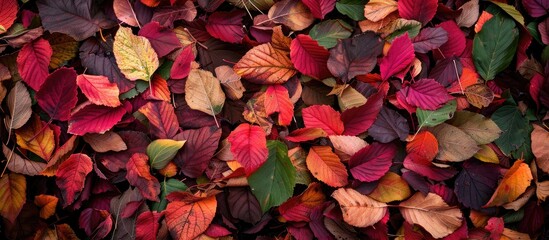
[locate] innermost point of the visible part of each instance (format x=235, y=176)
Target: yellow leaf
x=514, y=183
x=134, y=54
x=391, y=187
x=264, y=64
x=13, y=189
x=487, y=154
x=37, y=137
x=203, y=92
x=509, y=234
x=359, y=210
x=376, y=10
x=64, y=48
x=432, y=213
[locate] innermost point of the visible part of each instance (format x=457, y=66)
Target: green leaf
x=432, y=118
x=328, y=32
x=495, y=46
x=352, y=8
x=512, y=11
x=514, y=126
x=401, y=26
x=162, y=151
x=273, y=183
x=532, y=28
x=525, y=150
x=167, y=187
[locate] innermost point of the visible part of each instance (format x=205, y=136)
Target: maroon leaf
x=389, y=126
x=168, y=14
x=476, y=183
x=359, y=119
x=96, y=223
x=139, y=175
x=429, y=39
x=447, y=71
x=58, y=94
x=162, y=39
x=319, y=8
x=136, y=142
x=162, y=120
x=33, y=61
x=226, y=26
x=420, y=10
x=243, y=205
x=146, y=226
x=399, y=57
x=71, y=175
x=309, y=58
x=355, y=56
x=372, y=162
x=90, y=118
x=425, y=167
x=426, y=94
x=198, y=150
x=456, y=43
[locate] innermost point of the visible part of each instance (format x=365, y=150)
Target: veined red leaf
x=319, y=8
x=12, y=195
x=420, y=10
x=163, y=40
x=426, y=94
x=323, y=117
x=424, y=145
x=158, y=89
x=399, y=57
x=96, y=223
x=249, y=146
x=425, y=167
x=536, y=8
x=90, y=118
x=226, y=26
x=309, y=58
x=71, y=176
x=306, y=134
x=198, y=150
x=277, y=100
x=99, y=90
x=33, y=61
x=8, y=14
x=166, y=15
x=139, y=175
x=162, y=120
x=187, y=221
x=456, y=41
x=182, y=64
x=372, y=162
x=326, y=166
x=147, y=225
x=135, y=142
x=58, y=94
x=359, y=119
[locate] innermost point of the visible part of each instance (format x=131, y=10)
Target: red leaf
x=456, y=41
x=277, y=100
x=249, y=146
x=306, y=134
x=299, y=208
x=139, y=175
x=309, y=58
x=495, y=227
x=399, y=57
x=8, y=13
x=217, y=231
x=131, y=208
x=96, y=223
x=359, y=119
x=188, y=220
x=372, y=162
x=162, y=39
x=420, y=10
x=226, y=26
x=182, y=64
x=58, y=94
x=198, y=150
x=146, y=225
x=536, y=8
x=324, y=117
x=319, y=8
x=71, y=176
x=162, y=120
x=426, y=94
x=90, y=118
x=158, y=89
x=99, y=90
x=33, y=61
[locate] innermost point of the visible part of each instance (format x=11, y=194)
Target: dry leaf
x=359, y=210
x=376, y=10
x=203, y=92
x=109, y=141
x=230, y=81
x=134, y=54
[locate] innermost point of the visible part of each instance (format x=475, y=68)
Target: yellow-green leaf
x=162, y=151
x=134, y=54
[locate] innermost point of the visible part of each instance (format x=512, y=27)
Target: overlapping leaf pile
x=349, y=119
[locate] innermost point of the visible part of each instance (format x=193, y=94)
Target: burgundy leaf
x=162, y=39
x=226, y=26
x=536, y=8
x=476, y=183
x=372, y=162
x=319, y=8
x=71, y=176
x=456, y=43
x=58, y=94
x=243, y=205
x=166, y=15
x=429, y=39
x=96, y=223
x=424, y=167
x=399, y=57
x=389, y=126
x=420, y=10
x=199, y=148
x=146, y=225
x=33, y=61
x=359, y=119
x=447, y=71
x=162, y=120
x=136, y=142
x=426, y=94
x=182, y=64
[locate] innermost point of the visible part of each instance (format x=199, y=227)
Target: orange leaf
x=391, y=187
x=359, y=210
x=99, y=90
x=47, y=204
x=264, y=64
x=37, y=137
x=158, y=90
x=484, y=17
x=109, y=141
x=424, y=144
x=514, y=183
x=139, y=175
x=468, y=77
x=376, y=10
x=479, y=95
x=280, y=41
x=188, y=220
x=326, y=166
x=13, y=188
x=306, y=134
x=277, y=100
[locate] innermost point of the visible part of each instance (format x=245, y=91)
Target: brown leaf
x=203, y=92
x=454, y=145
x=479, y=95
x=19, y=104
x=540, y=147
x=293, y=14
x=109, y=141
x=230, y=81
x=376, y=10
x=359, y=210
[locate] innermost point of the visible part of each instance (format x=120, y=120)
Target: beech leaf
x=135, y=55
x=14, y=187
x=99, y=90
x=138, y=175
x=293, y=14
x=58, y=94
x=33, y=61
x=19, y=104
x=249, y=146
x=264, y=64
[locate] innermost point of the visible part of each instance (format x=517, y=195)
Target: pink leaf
x=399, y=57
x=425, y=167
x=277, y=100
x=324, y=117
x=182, y=64
x=226, y=26
x=249, y=146
x=359, y=119
x=58, y=94
x=536, y=8
x=90, y=118
x=426, y=94
x=456, y=41
x=33, y=61
x=319, y=8
x=162, y=39
x=420, y=10
x=99, y=90
x=309, y=57
x=372, y=162
x=123, y=10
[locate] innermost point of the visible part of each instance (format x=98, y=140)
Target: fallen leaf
x=12, y=195
x=326, y=166
x=127, y=48
x=99, y=90
x=71, y=176
x=359, y=210
x=391, y=187
x=293, y=14
x=138, y=175
x=376, y=10
x=33, y=61
x=264, y=64
x=19, y=104
x=181, y=217
x=37, y=137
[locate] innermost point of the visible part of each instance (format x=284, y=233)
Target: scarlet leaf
x=424, y=145
x=58, y=94
x=320, y=8
x=99, y=90
x=323, y=117
x=162, y=120
x=146, y=225
x=33, y=61
x=138, y=175
x=90, y=118
x=13, y=195
x=249, y=146
x=399, y=57
x=226, y=26
x=162, y=39
x=457, y=44
x=422, y=11
x=189, y=220
x=278, y=101
x=326, y=166
x=182, y=64
x=359, y=119
x=426, y=94
x=8, y=14
x=71, y=176
x=309, y=58
x=372, y=162
x=299, y=208
x=264, y=64
x=199, y=149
